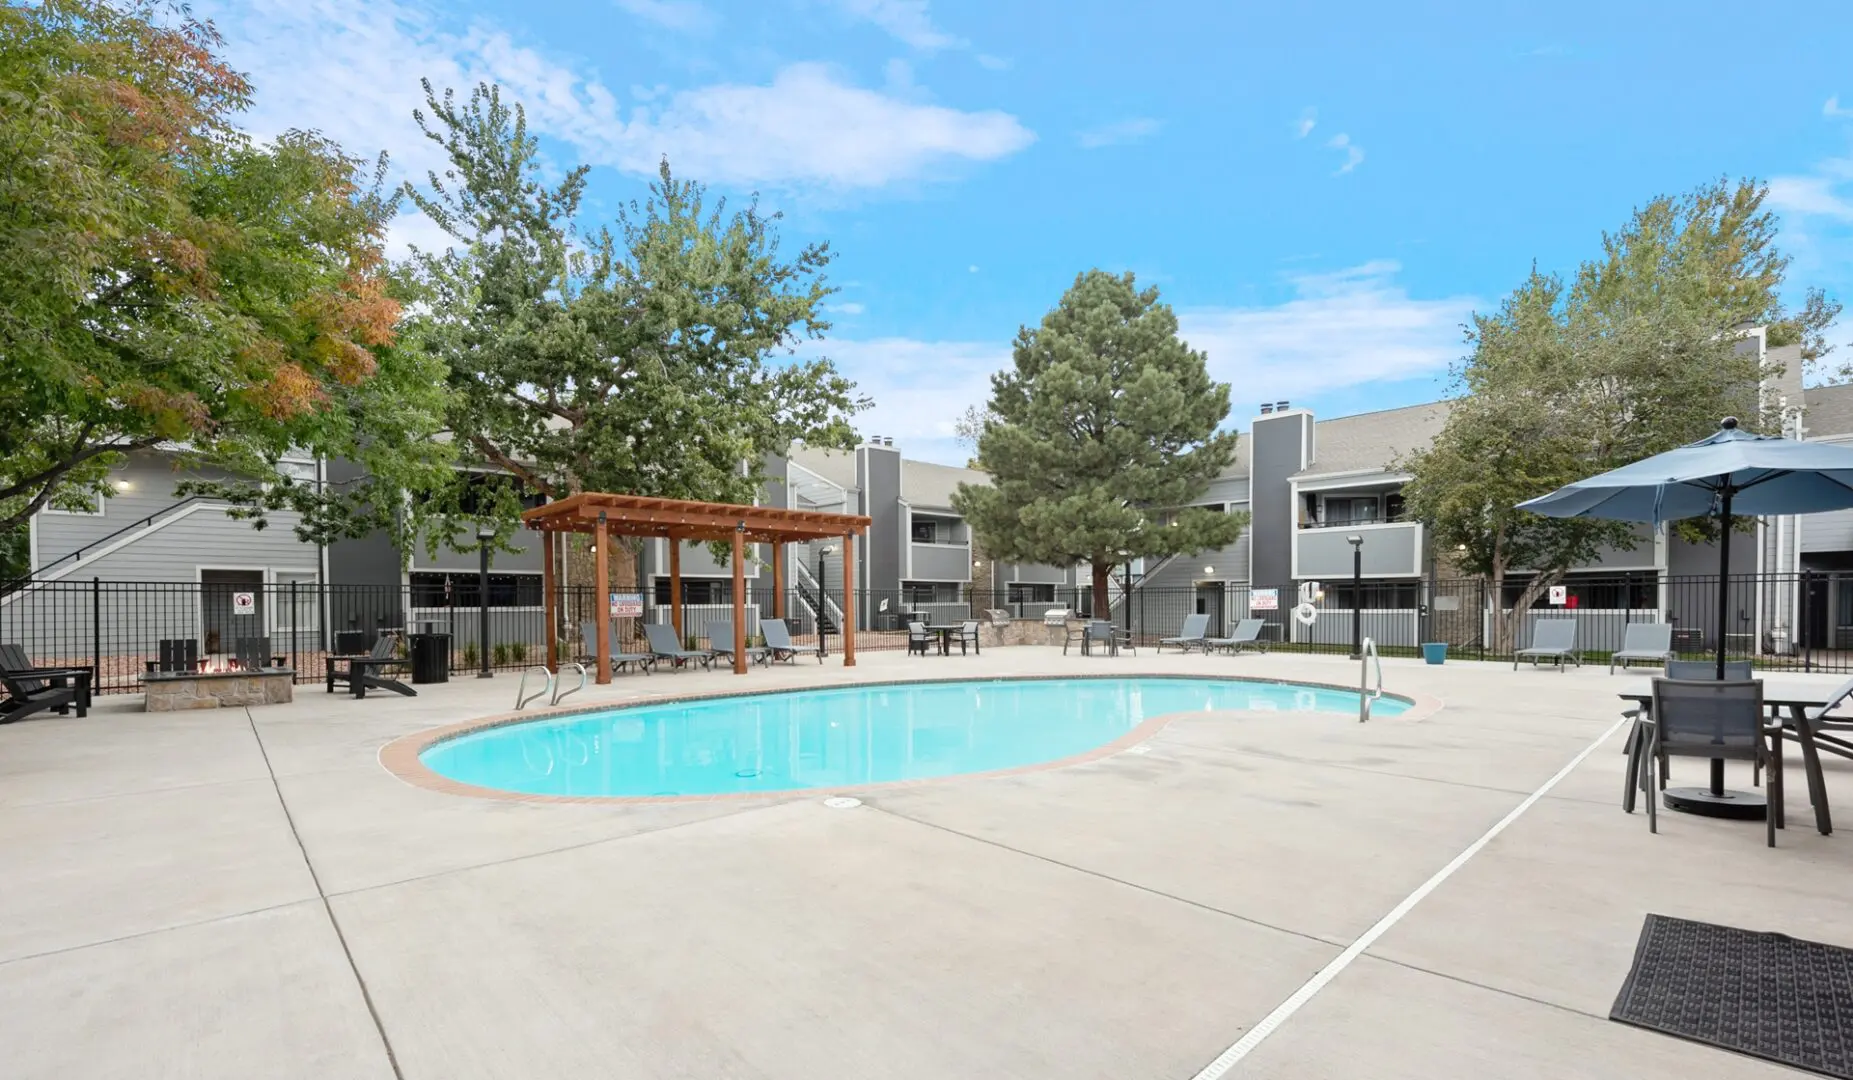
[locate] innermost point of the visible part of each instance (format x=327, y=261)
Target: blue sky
x=1323, y=192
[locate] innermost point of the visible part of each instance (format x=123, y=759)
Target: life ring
x=1305, y=614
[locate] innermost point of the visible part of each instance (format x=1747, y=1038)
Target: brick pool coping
x=402, y=757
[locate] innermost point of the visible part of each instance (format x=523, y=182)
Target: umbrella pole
x=1724, y=616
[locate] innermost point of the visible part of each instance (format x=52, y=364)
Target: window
x=1348, y=510
x=302, y=472
x=1378, y=596
x=926, y=532
x=697, y=591
x=927, y=592
x=1031, y=593
x=462, y=589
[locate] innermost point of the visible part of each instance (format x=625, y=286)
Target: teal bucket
x=1435, y=652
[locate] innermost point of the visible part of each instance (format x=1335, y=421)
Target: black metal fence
x=1802, y=621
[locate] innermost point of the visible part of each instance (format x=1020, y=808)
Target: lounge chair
x=1245, y=637
x=1709, y=719
x=664, y=646
x=1551, y=639
x=720, y=643
x=366, y=672
x=32, y=689
x=1190, y=635
x=918, y=640
x=779, y=645
x=588, y=636
x=253, y=654
x=1645, y=641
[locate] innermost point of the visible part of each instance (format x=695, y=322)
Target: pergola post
x=601, y=603
x=739, y=600
x=849, y=599
x=675, y=588
x=778, y=579
x=549, y=602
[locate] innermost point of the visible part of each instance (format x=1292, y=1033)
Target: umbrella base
x=1738, y=805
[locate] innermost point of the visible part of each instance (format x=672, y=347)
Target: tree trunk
x=1103, y=573
x=1522, y=606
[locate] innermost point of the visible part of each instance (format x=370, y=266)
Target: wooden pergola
x=676, y=520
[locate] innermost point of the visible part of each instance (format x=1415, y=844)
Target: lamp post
x=823, y=602
x=484, y=534
x=1357, y=595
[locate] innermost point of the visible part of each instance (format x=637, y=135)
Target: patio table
x=1789, y=693
x=945, y=637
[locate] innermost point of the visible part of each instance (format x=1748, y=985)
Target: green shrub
x=470, y=655
x=500, y=653
x=518, y=652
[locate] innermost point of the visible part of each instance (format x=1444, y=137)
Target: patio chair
x=779, y=645
x=1551, y=639
x=1822, y=723
x=918, y=640
x=364, y=673
x=1102, y=632
x=968, y=635
x=1643, y=641
x=588, y=637
x=31, y=689
x=664, y=646
x=720, y=643
x=253, y=654
x=1245, y=637
x=1689, y=671
x=1710, y=719
x=1190, y=635
x=176, y=654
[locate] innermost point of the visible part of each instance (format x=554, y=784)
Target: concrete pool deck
x=245, y=893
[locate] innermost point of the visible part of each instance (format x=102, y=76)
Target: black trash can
x=430, y=658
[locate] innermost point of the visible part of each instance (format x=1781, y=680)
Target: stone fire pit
x=173, y=691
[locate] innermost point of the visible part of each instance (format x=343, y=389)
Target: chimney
x=1281, y=406
x=1266, y=407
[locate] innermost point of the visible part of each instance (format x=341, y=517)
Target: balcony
x=938, y=562
x=1390, y=549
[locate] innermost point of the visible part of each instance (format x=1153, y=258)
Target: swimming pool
x=845, y=736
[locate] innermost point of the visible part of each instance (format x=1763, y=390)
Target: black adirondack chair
x=32, y=689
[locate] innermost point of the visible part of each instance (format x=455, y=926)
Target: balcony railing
x=1393, y=519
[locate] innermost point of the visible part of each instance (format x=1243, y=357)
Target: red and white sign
x=244, y=603
x=1560, y=595
x=1264, y=600
x=626, y=605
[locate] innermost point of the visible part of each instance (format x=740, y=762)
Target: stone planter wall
x=218, y=689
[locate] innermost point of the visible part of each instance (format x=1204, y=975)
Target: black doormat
x=1766, y=995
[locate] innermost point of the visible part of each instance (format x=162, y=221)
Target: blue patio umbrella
x=1730, y=472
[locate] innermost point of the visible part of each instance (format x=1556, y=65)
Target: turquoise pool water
x=844, y=736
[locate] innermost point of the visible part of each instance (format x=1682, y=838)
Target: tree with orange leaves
x=164, y=280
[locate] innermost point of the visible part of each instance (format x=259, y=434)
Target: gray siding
x=1227, y=489
x=176, y=545
x=878, y=475
x=1827, y=532
x=1388, y=551
x=1280, y=447
x=525, y=560
x=1229, y=564
x=941, y=562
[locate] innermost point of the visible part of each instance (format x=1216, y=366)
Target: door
x=1209, y=602
x=231, y=606
x=1814, y=612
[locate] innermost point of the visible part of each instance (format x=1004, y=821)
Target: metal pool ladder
x=1367, y=659
x=549, y=686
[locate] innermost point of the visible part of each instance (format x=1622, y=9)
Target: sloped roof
x=1829, y=410
x=1372, y=440
x=924, y=484
x=836, y=466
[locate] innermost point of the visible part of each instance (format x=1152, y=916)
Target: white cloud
x=1354, y=154
x=350, y=68
x=846, y=308
x=992, y=63
x=669, y=14
x=1833, y=110
x=1810, y=196
x=1122, y=131
x=1342, y=329
x=1309, y=119
x=972, y=269
x=907, y=21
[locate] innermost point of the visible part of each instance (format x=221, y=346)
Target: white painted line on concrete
x=1228, y=1058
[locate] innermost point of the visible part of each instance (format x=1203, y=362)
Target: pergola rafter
x=676, y=520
